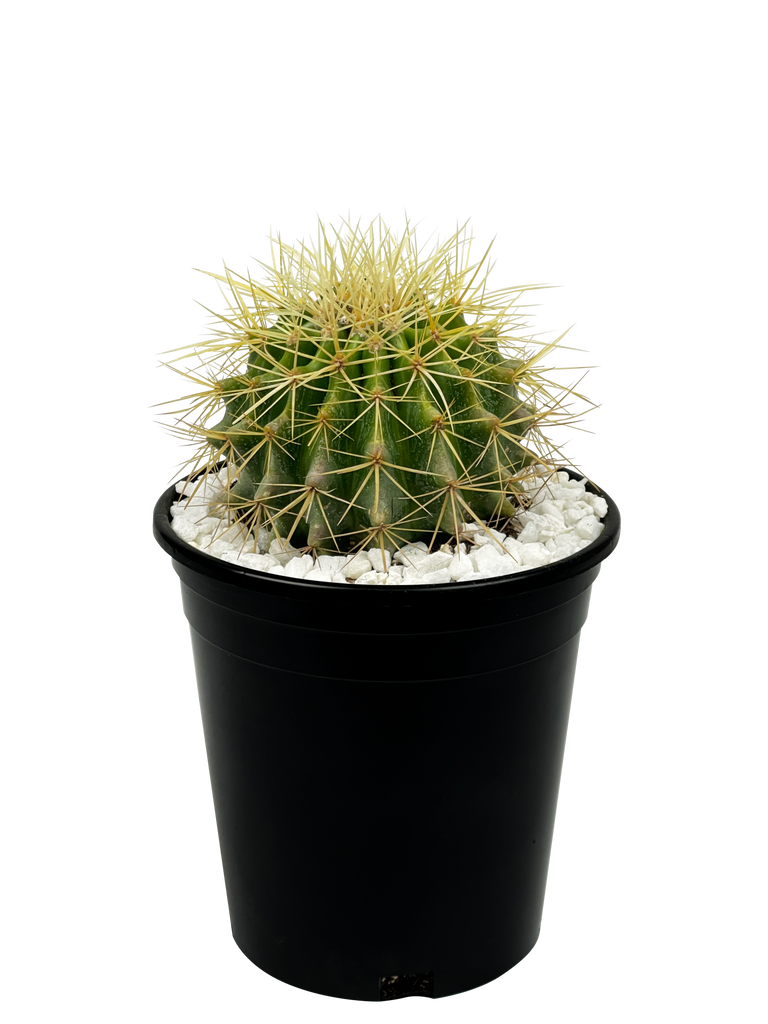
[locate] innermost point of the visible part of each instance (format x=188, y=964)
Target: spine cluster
x=368, y=395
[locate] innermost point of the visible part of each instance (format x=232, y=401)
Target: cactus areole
x=365, y=393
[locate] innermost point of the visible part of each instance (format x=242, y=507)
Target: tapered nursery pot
x=385, y=764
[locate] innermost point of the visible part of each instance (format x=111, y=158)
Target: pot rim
x=255, y=579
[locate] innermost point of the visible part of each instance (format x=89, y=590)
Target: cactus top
x=367, y=394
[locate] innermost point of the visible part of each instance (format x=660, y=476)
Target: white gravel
x=563, y=518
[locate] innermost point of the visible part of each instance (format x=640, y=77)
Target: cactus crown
x=368, y=394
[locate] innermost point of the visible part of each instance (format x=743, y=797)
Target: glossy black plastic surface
x=385, y=764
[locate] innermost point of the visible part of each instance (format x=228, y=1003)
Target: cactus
x=368, y=395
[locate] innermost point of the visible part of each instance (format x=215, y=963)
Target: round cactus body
x=367, y=395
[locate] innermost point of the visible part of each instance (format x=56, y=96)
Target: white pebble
x=250, y=559
x=437, y=560
x=513, y=546
x=379, y=564
x=550, y=508
x=529, y=534
x=562, y=546
x=534, y=555
x=598, y=503
x=217, y=548
x=357, y=566
x=440, y=576
x=299, y=567
x=573, y=515
x=552, y=527
x=207, y=525
x=372, y=577
x=489, y=536
x=491, y=559
x=185, y=526
x=412, y=554
x=331, y=563
x=589, y=528
x=281, y=551
x=460, y=565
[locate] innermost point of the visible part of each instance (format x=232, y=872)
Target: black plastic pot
x=385, y=764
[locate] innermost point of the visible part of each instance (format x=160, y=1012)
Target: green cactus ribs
x=366, y=394
x=381, y=435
